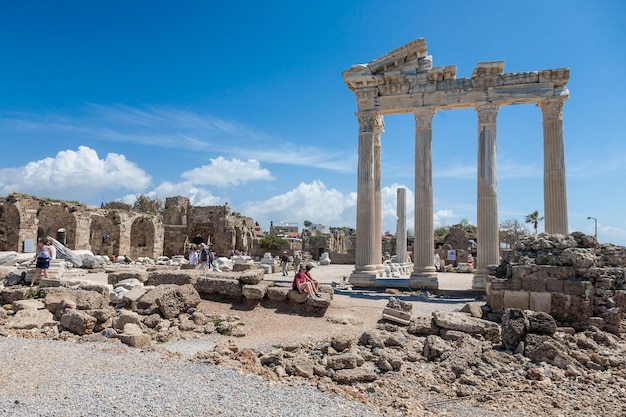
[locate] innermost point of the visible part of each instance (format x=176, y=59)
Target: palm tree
x=534, y=219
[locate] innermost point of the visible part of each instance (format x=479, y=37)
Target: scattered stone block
x=397, y=316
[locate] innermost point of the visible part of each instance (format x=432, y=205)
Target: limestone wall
x=573, y=278
x=121, y=232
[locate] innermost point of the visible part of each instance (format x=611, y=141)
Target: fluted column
x=424, y=274
x=487, y=201
x=366, y=256
x=401, y=225
x=378, y=215
x=554, y=187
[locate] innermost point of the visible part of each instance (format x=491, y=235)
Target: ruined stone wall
x=340, y=247
x=573, y=278
x=121, y=232
x=184, y=224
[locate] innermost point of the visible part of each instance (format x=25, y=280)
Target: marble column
x=424, y=274
x=554, y=187
x=487, y=203
x=401, y=225
x=378, y=215
x=366, y=257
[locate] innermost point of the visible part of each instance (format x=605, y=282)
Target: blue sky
x=244, y=103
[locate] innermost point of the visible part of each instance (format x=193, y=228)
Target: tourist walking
x=193, y=258
x=204, y=256
x=42, y=257
x=284, y=263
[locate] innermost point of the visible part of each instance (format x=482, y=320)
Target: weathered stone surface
x=133, y=336
x=342, y=361
x=297, y=296
x=134, y=294
x=24, y=304
x=396, y=316
x=30, y=319
x=173, y=299
x=115, y=277
x=464, y=323
x=474, y=309
x=355, y=376
x=280, y=293
x=322, y=302
x=342, y=342
x=434, y=347
x=224, y=286
x=85, y=300
x=541, y=323
x=422, y=326
x=125, y=318
x=9, y=295
x=255, y=291
x=514, y=327
x=79, y=322
x=172, y=277
x=540, y=348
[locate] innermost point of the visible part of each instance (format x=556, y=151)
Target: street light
x=595, y=223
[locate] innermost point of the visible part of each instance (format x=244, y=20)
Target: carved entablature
x=405, y=78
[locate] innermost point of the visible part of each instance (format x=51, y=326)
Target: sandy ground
x=352, y=311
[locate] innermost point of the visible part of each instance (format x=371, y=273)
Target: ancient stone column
x=367, y=258
x=378, y=215
x=554, y=187
x=401, y=225
x=487, y=203
x=424, y=274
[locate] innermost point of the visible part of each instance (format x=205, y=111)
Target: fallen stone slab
x=397, y=316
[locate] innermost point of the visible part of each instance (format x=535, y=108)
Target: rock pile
x=527, y=366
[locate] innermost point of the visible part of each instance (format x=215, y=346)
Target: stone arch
x=104, y=236
x=52, y=218
x=142, y=237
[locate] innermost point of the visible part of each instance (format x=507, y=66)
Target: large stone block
x=277, y=293
x=223, y=286
x=583, y=288
x=78, y=322
x=541, y=301
x=115, y=277
x=554, y=285
x=517, y=299
x=297, y=296
x=172, y=277
x=495, y=300
x=536, y=284
x=255, y=292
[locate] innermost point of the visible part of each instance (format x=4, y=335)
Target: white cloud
x=74, y=175
x=313, y=202
x=224, y=172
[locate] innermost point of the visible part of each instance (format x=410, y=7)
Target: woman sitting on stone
x=303, y=283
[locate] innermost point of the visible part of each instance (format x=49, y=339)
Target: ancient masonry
x=24, y=218
x=404, y=81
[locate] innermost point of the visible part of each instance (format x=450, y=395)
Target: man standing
x=204, y=256
x=284, y=262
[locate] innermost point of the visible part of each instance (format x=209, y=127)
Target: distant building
x=319, y=228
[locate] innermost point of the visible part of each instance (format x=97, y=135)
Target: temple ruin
x=405, y=81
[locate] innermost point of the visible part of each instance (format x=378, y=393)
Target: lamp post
x=595, y=223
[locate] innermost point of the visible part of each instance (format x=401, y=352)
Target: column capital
x=424, y=117
x=487, y=113
x=552, y=108
x=370, y=122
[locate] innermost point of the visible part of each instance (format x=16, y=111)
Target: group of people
x=304, y=282
x=205, y=258
x=44, y=253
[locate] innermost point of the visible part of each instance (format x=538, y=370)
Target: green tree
x=511, y=230
x=307, y=223
x=441, y=232
x=271, y=242
x=117, y=205
x=144, y=204
x=534, y=219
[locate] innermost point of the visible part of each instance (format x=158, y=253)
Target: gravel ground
x=52, y=378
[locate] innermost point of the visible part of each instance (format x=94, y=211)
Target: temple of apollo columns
x=405, y=81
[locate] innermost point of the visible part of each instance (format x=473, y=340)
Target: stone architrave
x=405, y=81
